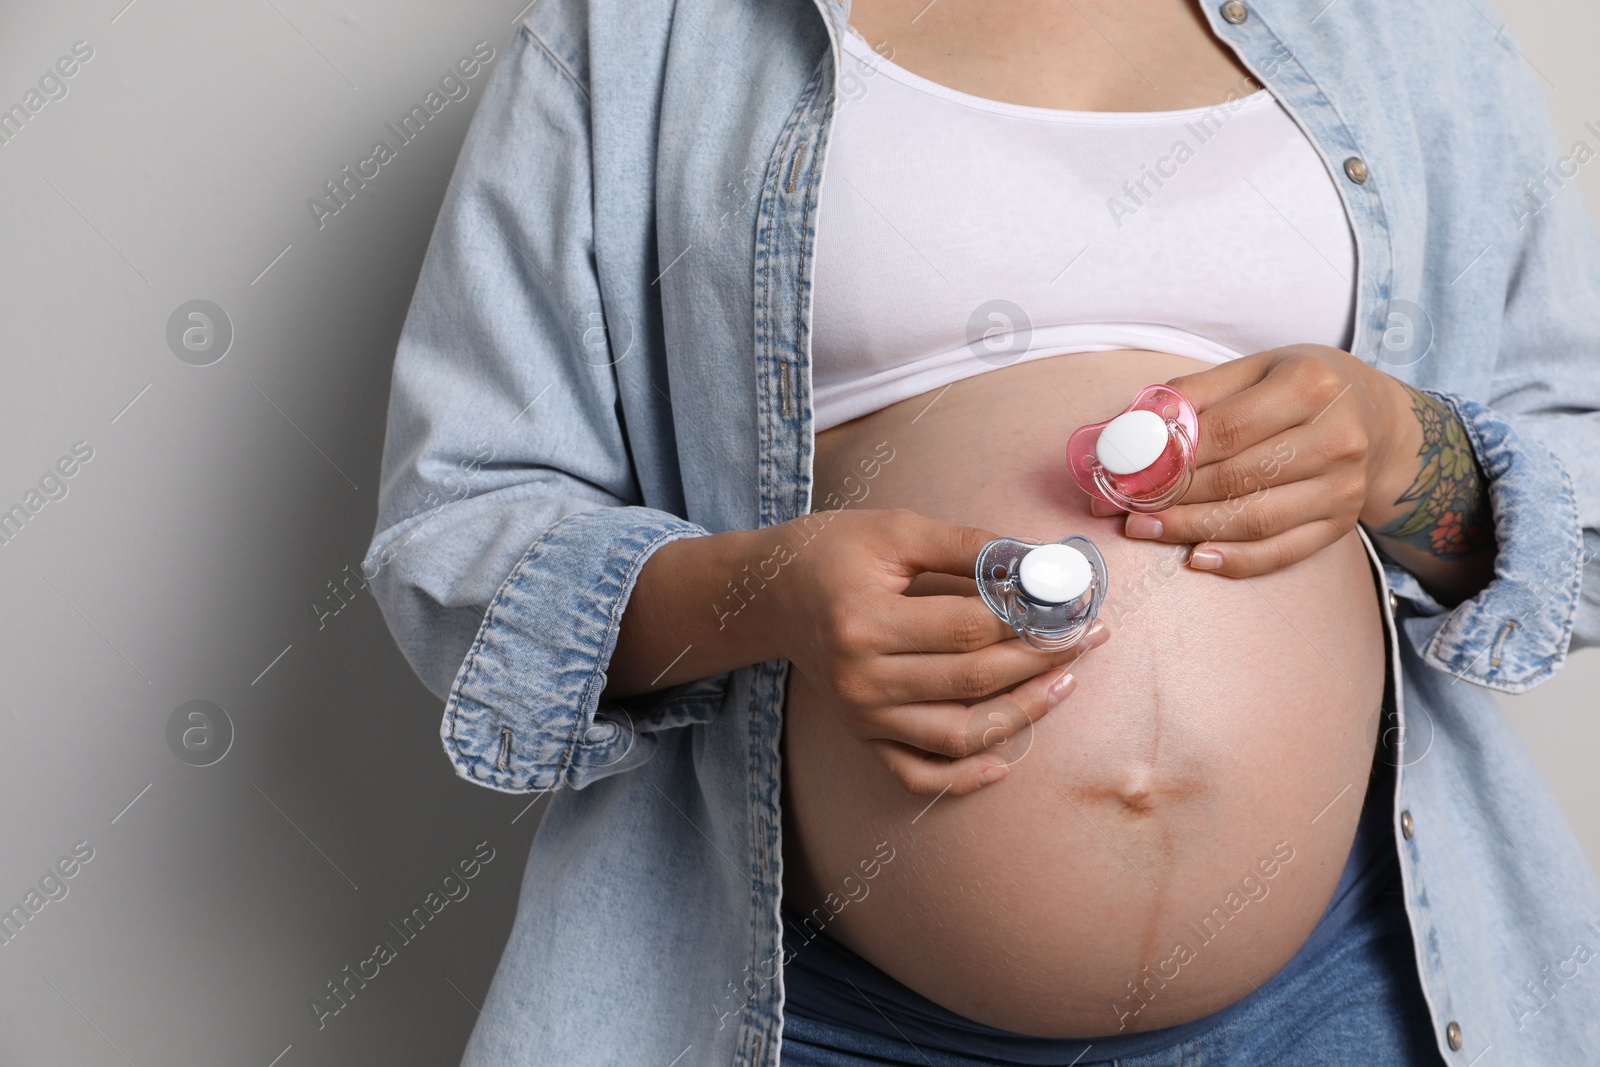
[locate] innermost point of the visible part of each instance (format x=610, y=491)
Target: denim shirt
x=609, y=348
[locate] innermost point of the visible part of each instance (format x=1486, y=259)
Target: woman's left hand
x=1297, y=445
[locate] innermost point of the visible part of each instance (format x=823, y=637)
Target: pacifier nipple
x=1054, y=574
x=1131, y=442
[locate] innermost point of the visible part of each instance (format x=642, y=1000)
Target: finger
x=1103, y=508
x=1256, y=516
x=923, y=544
x=1300, y=454
x=1246, y=559
x=1205, y=389
x=1020, y=708
x=932, y=583
x=942, y=624
x=913, y=677
x=1263, y=411
x=953, y=730
x=925, y=774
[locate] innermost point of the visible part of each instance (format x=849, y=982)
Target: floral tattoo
x=1452, y=517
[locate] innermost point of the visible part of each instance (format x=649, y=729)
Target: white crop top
x=958, y=234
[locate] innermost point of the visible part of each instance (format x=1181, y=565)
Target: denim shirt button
x=1394, y=602
x=1406, y=825
x=1355, y=168
x=1452, y=1034
x=1235, y=12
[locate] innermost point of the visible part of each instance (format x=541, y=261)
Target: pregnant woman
x=745, y=327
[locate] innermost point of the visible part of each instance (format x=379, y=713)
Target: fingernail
x=1064, y=684
x=993, y=773
x=1205, y=559
x=1143, y=526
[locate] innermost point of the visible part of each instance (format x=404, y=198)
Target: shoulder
x=1462, y=44
x=629, y=40
x=577, y=36
x=1445, y=79
x=1371, y=19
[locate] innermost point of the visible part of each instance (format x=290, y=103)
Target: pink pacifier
x=1142, y=460
x=1050, y=594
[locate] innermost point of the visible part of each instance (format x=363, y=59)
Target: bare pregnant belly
x=1168, y=836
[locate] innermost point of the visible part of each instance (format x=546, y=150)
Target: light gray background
x=184, y=562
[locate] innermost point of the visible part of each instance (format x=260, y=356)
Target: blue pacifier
x=1050, y=594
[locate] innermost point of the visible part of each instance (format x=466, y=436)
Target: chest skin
x=1089, y=55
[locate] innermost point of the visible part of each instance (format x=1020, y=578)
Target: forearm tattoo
x=1451, y=518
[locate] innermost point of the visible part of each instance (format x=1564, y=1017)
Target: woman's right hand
x=935, y=684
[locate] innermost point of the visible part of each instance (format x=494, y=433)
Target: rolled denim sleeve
x=1534, y=425
x=511, y=525
x=1516, y=631
x=522, y=712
